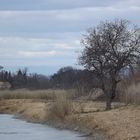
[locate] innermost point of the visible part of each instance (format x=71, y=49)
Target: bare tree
x=1, y=67
x=109, y=48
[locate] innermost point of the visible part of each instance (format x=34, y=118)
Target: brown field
x=30, y=94
x=121, y=123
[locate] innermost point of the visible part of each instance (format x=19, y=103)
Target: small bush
x=61, y=108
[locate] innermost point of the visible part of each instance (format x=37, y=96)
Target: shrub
x=61, y=107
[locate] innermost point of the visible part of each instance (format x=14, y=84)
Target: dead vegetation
x=61, y=108
x=129, y=93
x=30, y=94
x=132, y=94
x=120, y=123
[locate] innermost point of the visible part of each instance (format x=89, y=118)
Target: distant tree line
x=21, y=79
x=64, y=78
x=69, y=77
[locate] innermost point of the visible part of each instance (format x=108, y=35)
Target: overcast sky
x=45, y=35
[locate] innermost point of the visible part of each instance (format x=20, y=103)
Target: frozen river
x=15, y=129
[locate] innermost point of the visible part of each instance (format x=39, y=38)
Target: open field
x=120, y=123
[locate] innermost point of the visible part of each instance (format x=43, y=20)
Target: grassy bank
x=58, y=109
x=121, y=123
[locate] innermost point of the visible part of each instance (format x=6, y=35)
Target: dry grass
x=132, y=94
x=122, y=123
x=62, y=107
x=32, y=110
x=119, y=124
x=129, y=93
x=31, y=94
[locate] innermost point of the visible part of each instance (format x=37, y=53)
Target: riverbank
x=121, y=123
x=37, y=111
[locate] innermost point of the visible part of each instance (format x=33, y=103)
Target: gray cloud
x=34, y=51
x=72, y=20
x=50, y=4
x=48, y=32
x=61, y=4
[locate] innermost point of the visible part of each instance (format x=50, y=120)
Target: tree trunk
x=108, y=103
x=109, y=88
x=108, y=93
x=113, y=92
